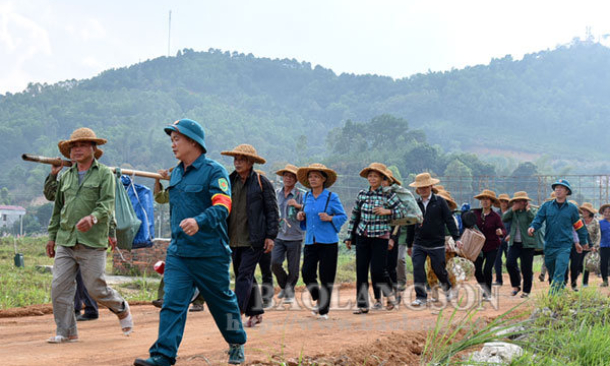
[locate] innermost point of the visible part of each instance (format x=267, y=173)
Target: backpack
x=414, y=214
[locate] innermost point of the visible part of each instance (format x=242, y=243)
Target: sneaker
x=282, y=294
x=196, y=308
x=485, y=297
x=585, y=285
x=377, y=305
x=604, y=284
x=153, y=361
x=158, y=303
x=323, y=317
x=315, y=310
x=236, y=354
x=253, y=320
x=525, y=295
x=419, y=302
x=267, y=304
x=288, y=300
x=452, y=294
x=497, y=283
x=85, y=317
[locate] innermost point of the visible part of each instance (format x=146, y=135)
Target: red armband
x=222, y=200
x=578, y=225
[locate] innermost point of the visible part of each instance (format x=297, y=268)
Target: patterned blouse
x=368, y=223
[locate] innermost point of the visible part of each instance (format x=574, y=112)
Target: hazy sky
x=53, y=40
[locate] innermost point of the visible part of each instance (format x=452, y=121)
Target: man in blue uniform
x=199, y=254
x=561, y=217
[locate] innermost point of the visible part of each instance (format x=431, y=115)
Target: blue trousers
x=211, y=276
x=556, y=260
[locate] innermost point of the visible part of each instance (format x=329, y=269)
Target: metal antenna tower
x=169, y=33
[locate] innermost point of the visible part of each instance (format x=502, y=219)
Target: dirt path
x=396, y=336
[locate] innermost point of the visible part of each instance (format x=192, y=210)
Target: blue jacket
x=202, y=192
x=318, y=231
x=559, y=224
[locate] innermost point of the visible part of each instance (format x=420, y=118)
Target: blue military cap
x=189, y=128
x=563, y=182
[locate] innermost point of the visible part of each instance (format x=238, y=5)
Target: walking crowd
x=239, y=219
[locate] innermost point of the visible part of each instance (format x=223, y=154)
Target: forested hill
x=555, y=102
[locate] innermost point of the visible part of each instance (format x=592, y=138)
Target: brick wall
x=139, y=261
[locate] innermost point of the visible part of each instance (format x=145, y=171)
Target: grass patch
x=29, y=285
x=575, y=330
x=453, y=336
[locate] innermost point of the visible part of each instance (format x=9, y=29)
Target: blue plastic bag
x=142, y=201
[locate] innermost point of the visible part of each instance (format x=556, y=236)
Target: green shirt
x=73, y=201
x=50, y=187
x=520, y=220
x=239, y=235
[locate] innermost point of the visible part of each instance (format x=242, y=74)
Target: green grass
x=575, y=330
x=23, y=286
x=567, y=329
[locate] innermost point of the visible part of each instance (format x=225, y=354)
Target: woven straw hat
x=424, y=180
x=488, y=194
x=245, y=150
x=438, y=188
x=81, y=134
x=375, y=167
x=589, y=207
x=521, y=195
x=551, y=197
x=331, y=175
x=503, y=197
x=450, y=201
x=392, y=177
x=289, y=168
x=603, y=207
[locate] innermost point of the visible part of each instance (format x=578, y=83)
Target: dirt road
x=285, y=334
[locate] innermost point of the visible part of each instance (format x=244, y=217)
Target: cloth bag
x=127, y=222
x=414, y=214
x=592, y=262
x=472, y=243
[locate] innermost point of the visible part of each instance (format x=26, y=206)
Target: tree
x=5, y=196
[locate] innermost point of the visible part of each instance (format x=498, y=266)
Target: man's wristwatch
x=94, y=219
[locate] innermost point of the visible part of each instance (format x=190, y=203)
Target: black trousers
x=248, y=294
x=371, y=253
x=526, y=257
x=391, y=267
x=483, y=268
x=604, y=254
x=437, y=259
x=575, y=267
x=498, y=264
x=322, y=258
x=267, y=276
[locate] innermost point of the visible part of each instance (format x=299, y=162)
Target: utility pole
x=169, y=33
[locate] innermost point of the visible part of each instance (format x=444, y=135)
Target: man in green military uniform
x=78, y=235
x=561, y=219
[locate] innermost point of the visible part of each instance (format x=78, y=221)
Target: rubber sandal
x=61, y=339
x=361, y=311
